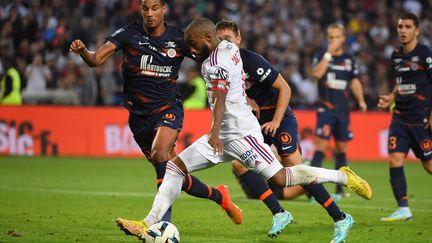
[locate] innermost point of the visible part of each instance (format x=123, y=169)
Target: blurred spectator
x=10, y=83
x=38, y=75
x=285, y=32
x=196, y=94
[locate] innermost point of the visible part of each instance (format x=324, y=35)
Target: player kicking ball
x=235, y=132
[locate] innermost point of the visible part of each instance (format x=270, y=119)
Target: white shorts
x=251, y=151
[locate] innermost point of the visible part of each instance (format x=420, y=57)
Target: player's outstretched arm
x=357, y=90
x=93, y=58
x=284, y=96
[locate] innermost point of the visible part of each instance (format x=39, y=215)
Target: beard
x=204, y=54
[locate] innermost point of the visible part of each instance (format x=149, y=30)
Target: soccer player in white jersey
x=235, y=132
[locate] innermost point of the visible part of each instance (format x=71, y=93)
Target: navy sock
x=322, y=197
x=340, y=161
x=194, y=187
x=160, y=172
x=317, y=159
x=245, y=187
x=262, y=191
x=399, y=186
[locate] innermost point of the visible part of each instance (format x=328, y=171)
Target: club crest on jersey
x=426, y=145
x=285, y=138
x=414, y=66
x=220, y=73
x=171, y=52
x=169, y=116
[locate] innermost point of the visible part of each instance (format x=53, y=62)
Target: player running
x=270, y=91
x=335, y=71
x=235, y=132
x=152, y=54
x=411, y=124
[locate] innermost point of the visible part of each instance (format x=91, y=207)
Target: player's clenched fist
x=77, y=46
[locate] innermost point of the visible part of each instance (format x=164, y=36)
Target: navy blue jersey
x=260, y=77
x=413, y=75
x=333, y=86
x=150, y=67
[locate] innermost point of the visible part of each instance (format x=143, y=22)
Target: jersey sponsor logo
x=334, y=83
x=149, y=69
x=143, y=43
x=249, y=157
x=260, y=72
x=415, y=58
x=406, y=89
x=285, y=138
x=402, y=69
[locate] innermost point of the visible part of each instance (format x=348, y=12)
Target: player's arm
x=218, y=97
x=284, y=96
x=254, y=106
x=93, y=58
x=385, y=100
x=357, y=90
x=320, y=69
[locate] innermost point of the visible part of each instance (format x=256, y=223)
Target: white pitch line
x=150, y=194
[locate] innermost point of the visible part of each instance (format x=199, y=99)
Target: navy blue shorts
x=144, y=127
x=329, y=124
x=403, y=137
x=286, y=138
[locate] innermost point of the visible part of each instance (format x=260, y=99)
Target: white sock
x=169, y=191
x=304, y=174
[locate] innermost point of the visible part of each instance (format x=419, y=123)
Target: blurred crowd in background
x=35, y=36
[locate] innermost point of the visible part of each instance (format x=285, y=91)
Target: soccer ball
x=162, y=232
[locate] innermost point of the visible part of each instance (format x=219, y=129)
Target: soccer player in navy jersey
x=411, y=124
x=269, y=95
x=235, y=132
x=152, y=54
x=336, y=71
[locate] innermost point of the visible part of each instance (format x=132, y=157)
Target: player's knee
x=395, y=161
x=428, y=166
x=159, y=155
x=239, y=169
x=279, y=178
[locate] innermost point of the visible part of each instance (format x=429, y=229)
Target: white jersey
x=223, y=71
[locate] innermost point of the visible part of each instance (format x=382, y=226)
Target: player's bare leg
x=399, y=187
x=343, y=221
x=427, y=165
x=304, y=175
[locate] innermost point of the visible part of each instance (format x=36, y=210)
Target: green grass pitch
x=78, y=199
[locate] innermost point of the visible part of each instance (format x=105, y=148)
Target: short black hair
x=201, y=25
x=411, y=16
x=227, y=24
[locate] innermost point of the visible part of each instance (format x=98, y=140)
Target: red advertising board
x=101, y=131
